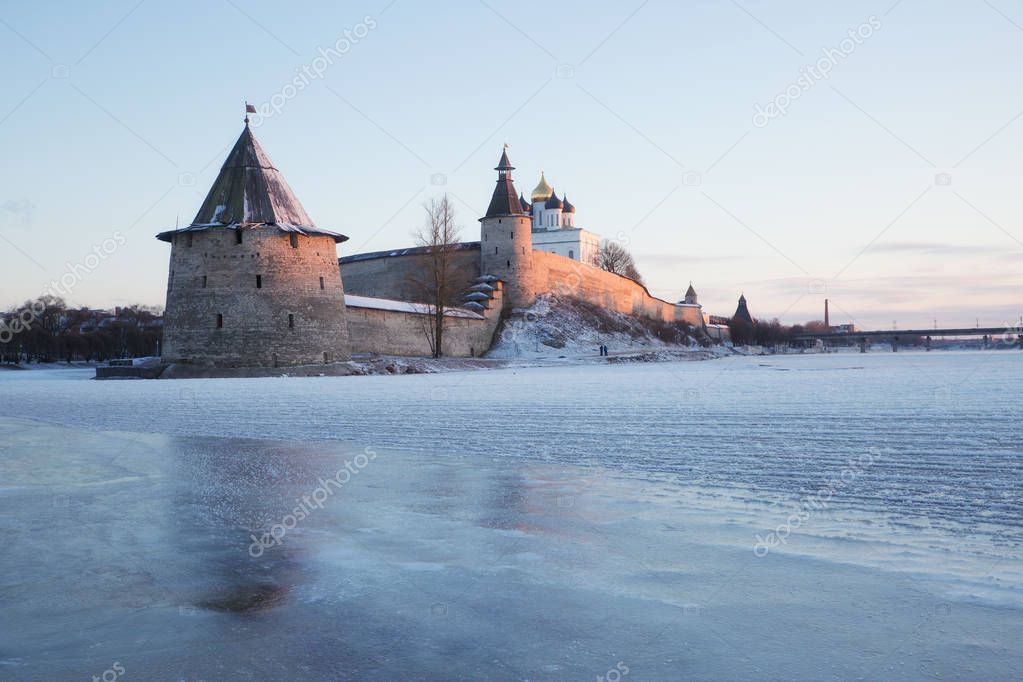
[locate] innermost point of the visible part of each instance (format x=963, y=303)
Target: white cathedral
x=554, y=229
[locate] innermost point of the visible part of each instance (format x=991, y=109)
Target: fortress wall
x=389, y=276
x=390, y=332
x=572, y=278
x=400, y=333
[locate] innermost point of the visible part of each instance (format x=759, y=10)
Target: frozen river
x=794, y=517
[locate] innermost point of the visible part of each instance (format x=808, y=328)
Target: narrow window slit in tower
x=220, y=321
x=321, y=283
x=259, y=281
x=293, y=238
x=204, y=281
x=237, y=236
x=291, y=321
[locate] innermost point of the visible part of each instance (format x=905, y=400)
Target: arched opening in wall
x=321, y=284
x=220, y=321
x=325, y=357
x=237, y=236
x=259, y=281
x=291, y=321
x=293, y=238
x=571, y=253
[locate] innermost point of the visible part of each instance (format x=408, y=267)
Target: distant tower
x=506, y=241
x=253, y=281
x=691, y=295
x=827, y=315
x=742, y=312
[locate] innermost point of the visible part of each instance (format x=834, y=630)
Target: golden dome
x=542, y=191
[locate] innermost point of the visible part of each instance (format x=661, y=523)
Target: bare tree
x=615, y=258
x=439, y=282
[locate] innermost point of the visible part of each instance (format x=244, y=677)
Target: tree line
x=45, y=329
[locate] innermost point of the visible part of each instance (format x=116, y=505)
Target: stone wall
x=398, y=332
x=571, y=278
x=295, y=315
x=384, y=275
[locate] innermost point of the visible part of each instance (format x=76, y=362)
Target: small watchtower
x=690, y=296
x=506, y=240
x=253, y=282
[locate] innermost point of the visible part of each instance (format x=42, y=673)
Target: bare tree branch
x=438, y=284
x=615, y=258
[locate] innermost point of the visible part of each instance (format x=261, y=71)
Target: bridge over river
x=895, y=335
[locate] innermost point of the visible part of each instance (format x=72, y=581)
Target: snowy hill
x=558, y=327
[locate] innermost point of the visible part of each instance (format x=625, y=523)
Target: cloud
x=934, y=248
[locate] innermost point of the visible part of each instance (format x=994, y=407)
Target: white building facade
x=554, y=228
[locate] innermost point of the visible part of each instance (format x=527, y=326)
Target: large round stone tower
x=253, y=282
x=506, y=240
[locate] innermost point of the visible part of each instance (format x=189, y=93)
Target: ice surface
x=543, y=523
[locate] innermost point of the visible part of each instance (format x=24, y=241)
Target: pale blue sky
x=110, y=110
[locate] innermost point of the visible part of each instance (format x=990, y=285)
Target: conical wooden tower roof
x=505, y=200
x=250, y=191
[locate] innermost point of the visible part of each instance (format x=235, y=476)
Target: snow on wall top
x=405, y=306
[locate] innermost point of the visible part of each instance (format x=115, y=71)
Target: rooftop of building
x=505, y=200
x=250, y=192
x=411, y=251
